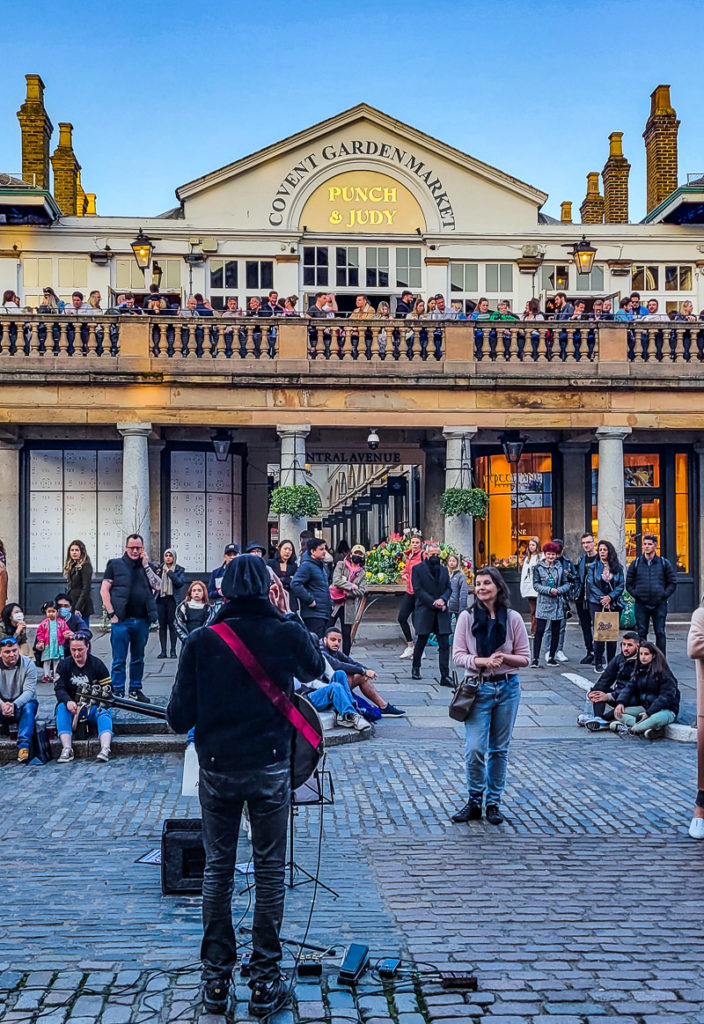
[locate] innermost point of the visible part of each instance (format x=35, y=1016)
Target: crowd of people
x=323, y=305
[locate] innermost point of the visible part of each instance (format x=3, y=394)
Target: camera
x=373, y=439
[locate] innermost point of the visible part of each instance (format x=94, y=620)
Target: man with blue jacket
x=312, y=588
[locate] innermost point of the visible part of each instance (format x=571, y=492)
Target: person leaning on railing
x=10, y=302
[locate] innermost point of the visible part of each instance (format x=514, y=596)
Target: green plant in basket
x=465, y=501
x=301, y=501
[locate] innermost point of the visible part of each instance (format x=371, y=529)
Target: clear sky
x=161, y=93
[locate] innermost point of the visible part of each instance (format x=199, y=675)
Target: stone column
x=459, y=530
x=575, y=484
x=135, y=480
x=10, y=513
x=293, y=462
x=611, y=496
x=155, y=499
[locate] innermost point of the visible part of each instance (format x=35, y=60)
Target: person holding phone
x=128, y=594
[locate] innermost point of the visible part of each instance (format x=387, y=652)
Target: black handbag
x=463, y=698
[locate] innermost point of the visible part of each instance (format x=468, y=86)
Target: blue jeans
x=101, y=716
x=487, y=737
x=128, y=635
x=25, y=722
x=336, y=694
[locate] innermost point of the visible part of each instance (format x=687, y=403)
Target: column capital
x=612, y=433
x=460, y=433
x=132, y=429
x=293, y=429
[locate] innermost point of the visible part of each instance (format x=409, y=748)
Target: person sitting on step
x=600, y=703
x=357, y=675
x=18, y=694
x=651, y=700
x=80, y=668
x=333, y=691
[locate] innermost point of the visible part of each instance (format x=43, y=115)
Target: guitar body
x=304, y=758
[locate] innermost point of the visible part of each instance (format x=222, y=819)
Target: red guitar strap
x=270, y=690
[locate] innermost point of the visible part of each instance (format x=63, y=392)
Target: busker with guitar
x=244, y=745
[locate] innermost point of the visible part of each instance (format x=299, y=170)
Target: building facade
x=107, y=422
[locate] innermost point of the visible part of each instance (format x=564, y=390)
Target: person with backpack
x=651, y=580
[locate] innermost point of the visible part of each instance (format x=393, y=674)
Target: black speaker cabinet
x=182, y=856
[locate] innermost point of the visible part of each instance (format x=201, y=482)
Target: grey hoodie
x=19, y=683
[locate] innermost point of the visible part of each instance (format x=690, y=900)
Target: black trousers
x=316, y=624
x=408, y=603
x=222, y=795
x=166, y=614
x=345, y=627
x=585, y=621
x=443, y=651
x=540, y=627
x=658, y=614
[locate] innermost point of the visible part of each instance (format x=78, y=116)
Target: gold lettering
x=375, y=216
x=375, y=194
x=334, y=193
x=390, y=214
x=390, y=195
x=361, y=194
x=347, y=193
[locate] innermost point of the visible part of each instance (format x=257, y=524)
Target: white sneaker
x=561, y=656
x=696, y=828
x=352, y=721
x=104, y=754
x=65, y=756
x=408, y=653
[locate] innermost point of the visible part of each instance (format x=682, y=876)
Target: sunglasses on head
x=8, y=641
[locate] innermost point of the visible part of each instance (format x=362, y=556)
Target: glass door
x=642, y=516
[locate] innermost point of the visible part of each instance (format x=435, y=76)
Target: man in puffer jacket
x=311, y=586
x=650, y=581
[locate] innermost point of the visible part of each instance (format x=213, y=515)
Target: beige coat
x=695, y=650
x=341, y=579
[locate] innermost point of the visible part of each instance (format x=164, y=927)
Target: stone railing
x=430, y=350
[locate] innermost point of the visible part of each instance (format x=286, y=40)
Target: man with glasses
x=18, y=694
x=128, y=595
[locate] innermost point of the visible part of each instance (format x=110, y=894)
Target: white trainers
x=104, y=754
x=65, y=756
x=408, y=653
x=561, y=656
x=696, y=828
x=352, y=721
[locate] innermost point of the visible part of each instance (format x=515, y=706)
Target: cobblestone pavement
x=583, y=907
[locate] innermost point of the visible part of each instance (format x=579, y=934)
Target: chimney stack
x=615, y=178
x=90, y=204
x=66, y=170
x=660, y=147
x=81, y=198
x=566, y=213
x=36, y=133
x=592, y=209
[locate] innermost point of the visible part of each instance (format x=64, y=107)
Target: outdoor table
x=375, y=592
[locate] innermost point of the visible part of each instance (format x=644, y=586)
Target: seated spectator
x=418, y=312
x=194, y=611
x=12, y=623
x=94, y=302
x=52, y=633
x=504, y=311
x=254, y=306
x=18, y=694
x=357, y=675
x=430, y=307
x=334, y=692
x=272, y=306
x=203, y=307
x=650, y=701
x=580, y=310
x=601, y=701
x=290, y=306
x=457, y=306
x=80, y=667
x=625, y=311
x=441, y=311
x=599, y=312
x=154, y=305
x=608, y=312
x=636, y=308
x=74, y=620
x=687, y=312
x=51, y=303
x=532, y=311
x=653, y=316
x=129, y=306
x=231, y=308
x=404, y=304
x=363, y=310
x=481, y=311
x=78, y=305
x=10, y=302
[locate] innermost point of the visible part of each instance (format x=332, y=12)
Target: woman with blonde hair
x=51, y=303
x=531, y=559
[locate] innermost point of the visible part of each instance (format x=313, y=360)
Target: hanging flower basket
x=467, y=501
x=300, y=501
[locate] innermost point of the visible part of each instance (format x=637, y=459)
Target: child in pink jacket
x=52, y=633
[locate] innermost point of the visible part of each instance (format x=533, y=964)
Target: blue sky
x=161, y=93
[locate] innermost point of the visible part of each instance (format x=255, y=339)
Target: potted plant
x=300, y=501
x=465, y=501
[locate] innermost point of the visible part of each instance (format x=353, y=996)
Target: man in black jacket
x=650, y=581
x=602, y=700
x=431, y=587
x=312, y=587
x=357, y=675
x=244, y=750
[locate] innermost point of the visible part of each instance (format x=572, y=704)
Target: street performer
x=244, y=747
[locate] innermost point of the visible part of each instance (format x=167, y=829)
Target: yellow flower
x=368, y=575
x=381, y=577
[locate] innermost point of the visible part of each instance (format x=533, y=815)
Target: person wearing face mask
x=432, y=589
x=12, y=623
x=349, y=581
x=75, y=622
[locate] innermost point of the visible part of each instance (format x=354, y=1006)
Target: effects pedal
x=459, y=979
x=387, y=968
x=244, y=965
x=354, y=964
x=310, y=968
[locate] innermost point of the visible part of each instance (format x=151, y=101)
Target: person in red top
x=414, y=556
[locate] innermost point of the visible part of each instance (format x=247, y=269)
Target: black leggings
x=408, y=603
x=166, y=614
x=540, y=626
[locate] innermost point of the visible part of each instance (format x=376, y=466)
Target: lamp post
x=513, y=444
x=583, y=253
x=142, y=248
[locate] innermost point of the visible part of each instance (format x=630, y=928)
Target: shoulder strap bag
x=270, y=690
x=463, y=698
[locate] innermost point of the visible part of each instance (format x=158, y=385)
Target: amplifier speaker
x=182, y=856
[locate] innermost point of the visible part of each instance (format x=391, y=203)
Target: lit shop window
x=522, y=500
x=682, y=512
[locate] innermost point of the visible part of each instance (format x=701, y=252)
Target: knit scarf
x=490, y=634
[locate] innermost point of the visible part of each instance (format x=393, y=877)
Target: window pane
x=671, y=279
x=353, y=277
x=308, y=276
x=641, y=470
x=492, y=277
x=598, y=279
x=267, y=275
x=414, y=277
x=651, y=279
x=252, y=274
x=172, y=274
x=471, y=277
x=383, y=257
x=322, y=276
x=216, y=273
x=371, y=277
x=371, y=257
x=506, y=277
x=496, y=541
x=415, y=258
x=685, y=279
x=80, y=273
x=308, y=256
x=122, y=275
x=456, y=277
x=682, y=511
x=340, y=277
x=340, y=257
x=583, y=282
x=231, y=274
x=65, y=273
x=322, y=257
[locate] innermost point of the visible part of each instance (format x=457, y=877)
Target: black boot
x=162, y=655
x=215, y=995
x=493, y=814
x=470, y=812
x=268, y=997
x=415, y=673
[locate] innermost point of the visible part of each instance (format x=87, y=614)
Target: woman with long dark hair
x=78, y=573
x=284, y=565
x=530, y=560
x=650, y=700
x=12, y=624
x=491, y=644
x=604, y=587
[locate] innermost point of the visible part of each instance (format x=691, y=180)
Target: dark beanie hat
x=246, y=576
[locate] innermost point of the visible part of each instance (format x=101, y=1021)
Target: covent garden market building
x=180, y=426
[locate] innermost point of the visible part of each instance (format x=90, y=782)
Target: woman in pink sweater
x=491, y=643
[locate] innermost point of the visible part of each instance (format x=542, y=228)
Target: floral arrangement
x=385, y=563
x=505, y=563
